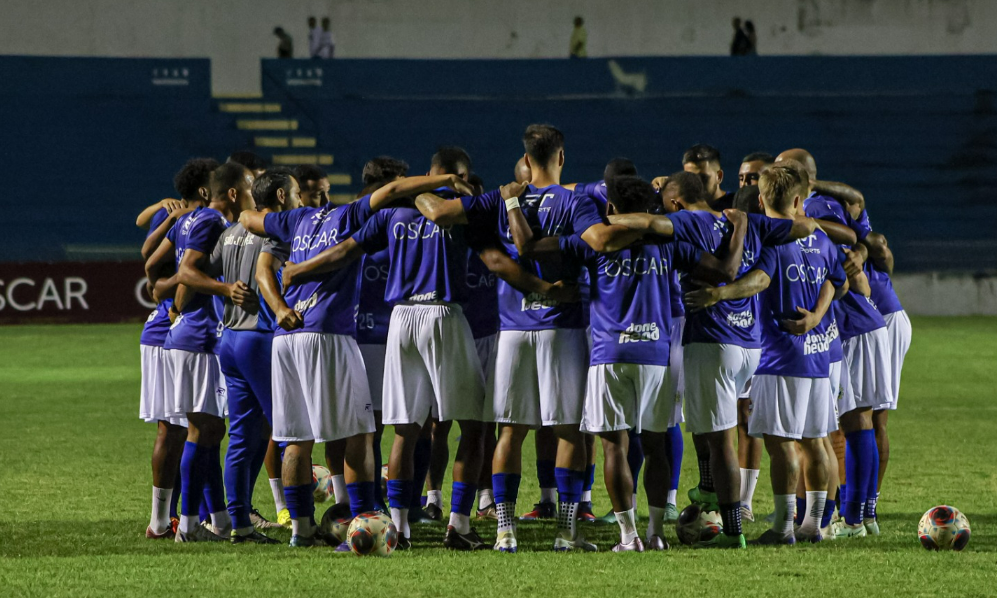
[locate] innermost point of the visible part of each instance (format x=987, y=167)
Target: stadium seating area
x=917, y=134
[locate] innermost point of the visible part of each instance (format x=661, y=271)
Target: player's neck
x=544, y=178
x=777, y=214
x=701, y=206
x=719, y=193
x=226, y=209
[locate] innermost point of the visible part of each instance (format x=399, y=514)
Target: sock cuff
x=399, y=493
x=505, y=487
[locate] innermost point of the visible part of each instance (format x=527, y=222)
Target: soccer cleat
x=843, y=531
x=261, y=522
x=657, y=543
x=419, y=515
x=506, y=542
x=562, y=544
x=150, y=534
x=284, y=518
x=584, y=513
x=607, y=519
x=434, y=512
x=542, y=510
x=707, y=500
x=722, y=541
x=671, y=513
x=871, y=527
x=634, y=545
x=201, y=533
x=345, y=547
x=467, y=542
x=253, y=537
x=404, y=543
x=299, y=541
x=746, y=514
x=826, y=532
x=808, y=537
x=773, y=538
x=489, y=512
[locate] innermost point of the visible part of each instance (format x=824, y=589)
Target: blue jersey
x=158, y=324
x=481, y=307
x=798, y=270
x=328, y=302
x=630, y=294
x=883, y=295
x=678, y=308
x=597, y=192
x=727, y=322
x=855, y=313
x=196, y=329
x=427, y=263
x=374, y=313
x=554, y=211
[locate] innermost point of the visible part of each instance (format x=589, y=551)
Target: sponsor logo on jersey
x=536, y=302
x=414, y=231
x=310, y=302
x=424, y=297
x=818, y=343
x=806, y=273
x=744, y=319
x=324, y=239
x=640, y=333
x=242, y=241
x=637, y=266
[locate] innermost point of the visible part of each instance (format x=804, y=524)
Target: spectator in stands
x=314, y=184
x=579, y=40
x=251, y=161
x=740, y=45
x=327, y=45
x=285, y=48
x=749, y=30
x=314, y=38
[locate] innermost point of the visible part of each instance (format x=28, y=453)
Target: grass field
x=75, y=492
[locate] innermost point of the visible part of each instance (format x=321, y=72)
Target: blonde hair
x=778, y=185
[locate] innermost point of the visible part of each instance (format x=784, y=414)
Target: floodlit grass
x=75, y=498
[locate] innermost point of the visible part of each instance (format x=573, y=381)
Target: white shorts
x=621, y=396
x=485, y=346
x=866, y=375
x=790, y=407
x=538, y=378
x=745, y=394
x=834, y=379
x=373, y=362
x=715, y=375
x=899, y=330
x=431, y=366
x=196, y=384
x=320, y=390
x=152, y=401
x=677, y=368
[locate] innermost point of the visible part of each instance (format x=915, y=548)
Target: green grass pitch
x=75, y=493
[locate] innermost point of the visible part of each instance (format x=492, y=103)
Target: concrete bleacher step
x=269, y=141
x=267, y=124
x=341, y=198
x=296, y=159
x=249, y=107
x=340, y=180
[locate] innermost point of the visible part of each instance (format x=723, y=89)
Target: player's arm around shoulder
x=267, y=266
x=415, y=185
x=514, y=275
x=334, y=258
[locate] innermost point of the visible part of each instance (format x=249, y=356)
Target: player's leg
x=701, y=363
x=422, y=463
x=585, y=514
x=880, y=419
x=166, y=454
x=545, y=444
x=466, y=472
x=657, y=478
x=373, y=358
x=749, y=452
x=272, y=463
x=486, y=498
x=507, y=463
x=360, y=474
x=296, y=475
x=727, y=478
x=676, y=441
x=438, y=462
x=259, y=375
x=785, y=473
x=335, y=460
x=619, y=485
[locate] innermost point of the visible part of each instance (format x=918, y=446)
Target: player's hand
x=854, y=262
x=701, y=298
x=172, y=205
x=289, y=319
x=564, y=292
x=736, y=217
x=240, y=293
x=460, y=185
x=173, y=315
x=513, y=189
x=289, y=275
x=803, y=325
x=659, y=183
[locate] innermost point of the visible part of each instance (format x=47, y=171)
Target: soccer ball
x=336, y=521
x=943, y=528
x=695, y=525
x=321, y=483
x=372, y=533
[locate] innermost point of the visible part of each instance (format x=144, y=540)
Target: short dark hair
x=542, y=142
x=763, y=157
x=196, y=173
x=227, y=176
x=448, y=158
x=631, y=194
x=690, y=185
x=309, y=172
x=701, y=153
x=248, y=159
x=619, y=167
x=746, y=200
x=266, y=185
x=383, y=169
x=474, y=180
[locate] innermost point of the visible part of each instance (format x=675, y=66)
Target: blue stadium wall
x=88, y=142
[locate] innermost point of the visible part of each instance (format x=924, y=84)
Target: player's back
x=234, y=257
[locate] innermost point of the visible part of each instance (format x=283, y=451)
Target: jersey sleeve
x=574, y=248
x=860, y=225
x=835, y=269
x=585, y=214
x=158, y=218
x=204, y=233
x=767, y=261
x=360, y=209
x=482, y=210
x=172, y=233
x=214, y=267
x=825, y=209
x=281, y=251
x=682, y=228
x=685, y=256
x=281, y=225
x=373, y=235
x=772, y=231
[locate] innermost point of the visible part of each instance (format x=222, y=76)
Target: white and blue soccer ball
x=944, y=528
x=321, y=483
x=372, y=534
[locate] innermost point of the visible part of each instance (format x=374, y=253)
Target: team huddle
x=618, y=309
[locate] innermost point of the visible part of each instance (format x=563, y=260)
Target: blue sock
x=569, y=484
x=872, y=488
x=203, y=514
x=842, y=489
x=801, y=510
x=399, y=494
x=676, y=447
x=505, y=487
x=175, y=497
x=828, y=513
x=214, y=483
x=589, y=478
x=545, y=473
x=378, y=464
x=191, y=480
x=857, y=468
x=291, y=497
x=462, y=499
x=635, y=457
x=361, y=497
x=423, y=457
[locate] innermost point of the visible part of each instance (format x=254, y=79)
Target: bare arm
x=714, y=270
x=803, y=227
x=415, y=185
x=266, y=278
x=525, y=282
x=846, y=194
x=443, y=212
x=655, y=224
x=750, y=284
x=156, y=262
x=252, y=221
x=879, y=251
x=145, y=216
x=839, y=233
x=156, y=237
x=811, y=318
x=191, y=274
x=606, y=238
x=336, y=257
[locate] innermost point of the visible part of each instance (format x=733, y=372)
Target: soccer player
x=190, y=360
x=704, y=160
x=628, y=378
x=256, y=164
x=751, y=166
x=791, y=390
x=245, y=349
x=320, y=391
x=314, y=184
x=192, y=182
